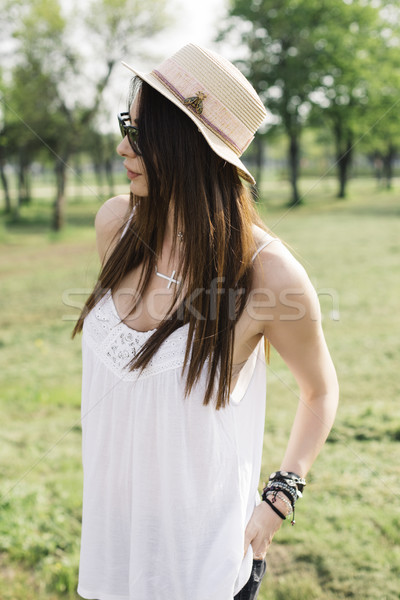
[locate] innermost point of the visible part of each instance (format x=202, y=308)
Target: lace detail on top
x=116, y=344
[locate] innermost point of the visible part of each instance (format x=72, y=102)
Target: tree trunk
x=22, y=192
x=343, y=163
x=97, y=168
x=344, y=152
x=108, y=169
x=377, y=163
x=61, y=179
x=388, y=159
x=294, y=157
x=21, y=195
x=5, y=187
x=27, y=179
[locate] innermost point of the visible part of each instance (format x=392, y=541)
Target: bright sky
x=195, y=22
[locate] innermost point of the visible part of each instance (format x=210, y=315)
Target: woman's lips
x=132, y=175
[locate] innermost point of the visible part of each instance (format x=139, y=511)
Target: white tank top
x=169, y=484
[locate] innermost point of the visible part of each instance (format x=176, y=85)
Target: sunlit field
x=346, y=542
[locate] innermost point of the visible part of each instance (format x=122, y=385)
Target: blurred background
x=327, y=169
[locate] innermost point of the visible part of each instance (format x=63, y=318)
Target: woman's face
x=133, y=163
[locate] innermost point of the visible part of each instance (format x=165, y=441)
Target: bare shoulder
x=108, y=221
x=281, y=286
x=112, y=212
x=275, y=265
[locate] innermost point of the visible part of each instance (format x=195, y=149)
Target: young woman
x=191, y=288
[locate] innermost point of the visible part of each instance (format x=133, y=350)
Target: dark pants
x=252, y=587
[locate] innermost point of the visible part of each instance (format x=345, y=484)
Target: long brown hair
x=216, y=213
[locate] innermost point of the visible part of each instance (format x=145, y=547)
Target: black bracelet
x=300, y=482
x=274, y=493
x=284, y=487
x=288, y=496
x=292, y=489
x=273, y=488
x=276, y=510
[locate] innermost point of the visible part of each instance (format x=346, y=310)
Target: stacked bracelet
x=275, y=495
x=289, y=490
x=289, y=484
x=290, y=478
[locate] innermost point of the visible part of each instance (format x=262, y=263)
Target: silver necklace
x=170, y=278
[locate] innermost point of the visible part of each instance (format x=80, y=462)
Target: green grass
x=346, y=542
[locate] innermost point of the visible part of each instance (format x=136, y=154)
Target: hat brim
x=213, y=140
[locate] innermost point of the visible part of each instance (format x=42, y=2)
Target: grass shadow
x=381, y=211
x=37, y=219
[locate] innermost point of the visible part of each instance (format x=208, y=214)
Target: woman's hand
x=260, y=530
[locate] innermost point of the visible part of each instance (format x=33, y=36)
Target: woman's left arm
x=289, y=311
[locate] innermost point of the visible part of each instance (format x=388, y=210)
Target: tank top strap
x=127, y=224
x=268, y=240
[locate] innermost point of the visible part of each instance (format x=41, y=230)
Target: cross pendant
x=170, y=279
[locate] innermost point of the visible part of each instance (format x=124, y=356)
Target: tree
x=381, y=139
x=297, y=49
x=278, y=36
x=348, y=63
x=4, y=140
x=70, y=82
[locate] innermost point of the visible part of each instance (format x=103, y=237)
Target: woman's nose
x=125, y=149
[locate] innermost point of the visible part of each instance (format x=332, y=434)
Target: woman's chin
x=138, y=188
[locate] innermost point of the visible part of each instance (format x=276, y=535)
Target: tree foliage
x=310, y=58
x=56, y=83
x=381, y=138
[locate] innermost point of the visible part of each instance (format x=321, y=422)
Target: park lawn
x=346, y=542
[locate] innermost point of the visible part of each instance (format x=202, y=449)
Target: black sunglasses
x=130, y=131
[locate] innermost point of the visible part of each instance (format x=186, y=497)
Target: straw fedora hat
x=215, y=95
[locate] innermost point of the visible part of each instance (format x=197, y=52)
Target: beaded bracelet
x=288, y=495
x=288, y=485
x=288, y=476
x=281, y=485
x=275, y=495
